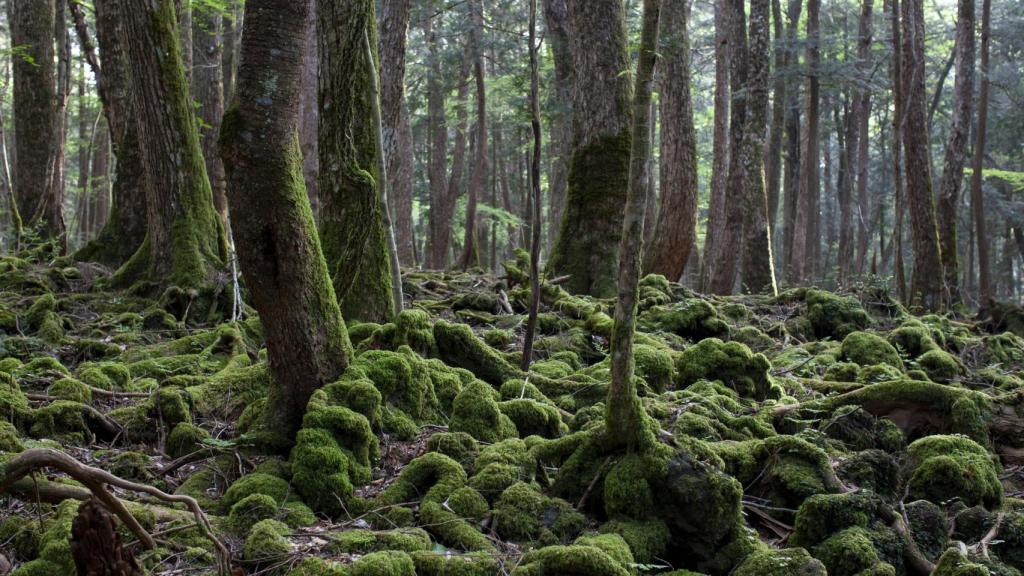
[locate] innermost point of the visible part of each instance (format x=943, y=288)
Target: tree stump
x=96, y=545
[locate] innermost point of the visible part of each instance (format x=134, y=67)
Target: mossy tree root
x=95, y=480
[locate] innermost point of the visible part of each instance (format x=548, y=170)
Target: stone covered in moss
x=266, y=541
x=523, y=514
x=848, y=553
x=940, y=366
x=693, y=318
x=458, y=446
x=533, y=418
x=787, y=562
x=731, y=363
x=250, y=510
x=367, y=541
x=476, y=412
x=953, y=563
x=866, y=349
x=575, y=560
x=185, y=439
x=458, y=346
x=834, y=316
x=948, y=467
x=321, y=471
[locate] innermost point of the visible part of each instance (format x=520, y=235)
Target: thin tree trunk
x=676, y=228
x=535, y=223
x=51, y=207
x=278, y=249
x=721, y=146
x=862, y=115
x=848, y=138
x=83, y=217
x=897, y=142
x=99, y=181
x=470, y=250
x=557, y=25
x=956, y=151
x=806, y=224
x=397, y=127
x=447, y=211
x=773, y=152
x=791, y=125
x=208, y=91
x=978, y=163
x=624, y=416
x=309, y=116
x=926, y=277
x=591, y=229
x=352, y=224
x=437, y=126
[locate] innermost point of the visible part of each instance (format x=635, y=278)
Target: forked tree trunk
x=278, y=248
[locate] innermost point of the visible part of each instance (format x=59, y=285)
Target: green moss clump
x=476, y=412
x=574, y=560
x=873, y=470
x=10, y=442
x=458, y=446
x=929, y=527
x=912, y=339
x=825, y=514
x=231, y=390
x=848, y=552
x=321, y=471
x=523, y=514
x=468, y=503
x=655, y=366
x=250, y=510
x=130, y=465
x=14, y=406
x=473, y=564
x=185, y=439
x=256, y=483
x=731, y=363
x=947, y=467
x=833, y=316
x=953, y=563
x=62, y=420
x=458, y=346
x=866, y=349
x=452, y=530
x=171, y=406
x=367, y=541
x=351, y=432
x=534, y=418
x=43, y=318
x=842, y=372
x=70, y=389
x=384, y=564
x=787, y=562
x=54, y=545
x=316, y=566
x=552, y=368
x=430, y=477
x=104, y=375
x=266, y=541
x=940, y=366
x=692, y=318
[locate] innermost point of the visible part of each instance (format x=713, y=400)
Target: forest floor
x=801, y=434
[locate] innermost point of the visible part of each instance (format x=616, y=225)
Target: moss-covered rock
x=948, y=467
x=692, y=318
x=249, y=510
x=575, y=560
x=940, y=366
x=866, y=349
x=731, y=363
x=477, y=413
x=185, y=439
x=833, y=316
x=266, y=541
x=953, y=563
x=367, y=541
x=321, y=471
x=787, y=562
x=458, y=346
x=523, y=514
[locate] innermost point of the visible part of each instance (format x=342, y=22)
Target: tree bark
x=99, y=179
x=926, y=277
x=675, y=231
x=897, y=156
x=758, y=257
x=83, y=217
x=208, y=91
x=278, y=250
x=397, y=127
x=32, y=25
x=351, y=213
x=470, y=249
x=309, y=115
x=437, y=126
x=956, y=151
x=806, y=223
x=535, y=223
x=556, y=21
x=791, y=126
x=720, y=143
x=848, y=124
x=624, y=416
x=125, y=228
x=978, y=164
x=862, y=114
x=185, y=244
x=599, y=171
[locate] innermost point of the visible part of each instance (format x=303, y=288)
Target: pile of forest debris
x=809, y=434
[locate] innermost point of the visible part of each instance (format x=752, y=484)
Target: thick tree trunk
x=309, y=115
x=183, y=10
x=208, y=91
x=624, y=416
x=32, y=24
x=862, y=115
x=758, y=258
x=773, y=152
x=125, y=228
x=470, y=248
x=591, y=228
x=351, y=213
x=556, y=21
x=926, y=278
x=446, y=212
x=675, y=231
x=278, y=249
x=956, y=151
x=397, y=127
x=720, y=144
x=978, y=164
x=99, y=180
x=437, y=126
x=806, y=223
x=185, y=243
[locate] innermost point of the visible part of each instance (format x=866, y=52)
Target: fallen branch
x=95, y=480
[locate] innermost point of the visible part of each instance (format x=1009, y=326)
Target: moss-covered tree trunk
x=309, y=123
x=556, y=22
x=185, y=244
x=926, y=278
x=398, y=139
x=35, y=104
x=675, y=233
x=591, y=227
x=956, y=151
x=125, y=228
x=278, y=248
x=351, y=213
x=208, y=91
x=624, y=416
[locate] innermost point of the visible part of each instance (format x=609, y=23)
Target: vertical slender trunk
x=676, y=227
x=447, y=212
x=99, y=180
x=557, y=25
x=978, y=164
x=848, y=125
x=862, y=115
x=184, y=17
x=758, y=258
x=897, y=151
x=624, y=416
x=720, y=153
x=83, y=217
x=926, y=278
x=51, y=207
x=309, y=116
x=773, y=151
x=535, y=223
x=791, y=126
x=470, y=249
x=806, y=224
x=278, y=249
x=956, y=151
x=352, y=218
x=208, y=91
x=437, y=127
x=397, y=127
x=651, y=209
x=591, y=228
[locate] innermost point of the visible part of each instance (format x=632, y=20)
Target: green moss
x=384, y=564
x=256, y=483
x=104, y=375
x=692, y=318
x=552, y=368
x=847, y=553
x=185, y=439
x=940, y=366
x=458, y=446
x=866, y=349
x=231, y=390
x=266, y=541
x=413, y=329
x=787, y=562
x=458, y=346
x=249, y=510
x=947, y=467
x=1009, y=544
x=575, y=560
x=842, y=372
x=832, y=316
x=351, y=432
x=912, y=339
x=452, y=530
x=321, y=471
x=872, y=470
x=523, y=514
x=43, y=318
x=130, y=465
x=430, y=477
x=533, y=418
x=171, y=406
x=929, y=527
x=10, y=442
x=731, y=363
x=54, y=545
x=825, y=514
x=70, y=389
x=476, y=412
x=367, y=541
x=647, y=539
x=14, y=406
x=953, y=563
x=655, y=366
x=468, y=503
x=434, y=564
x=315, y=566
x=62, y=420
